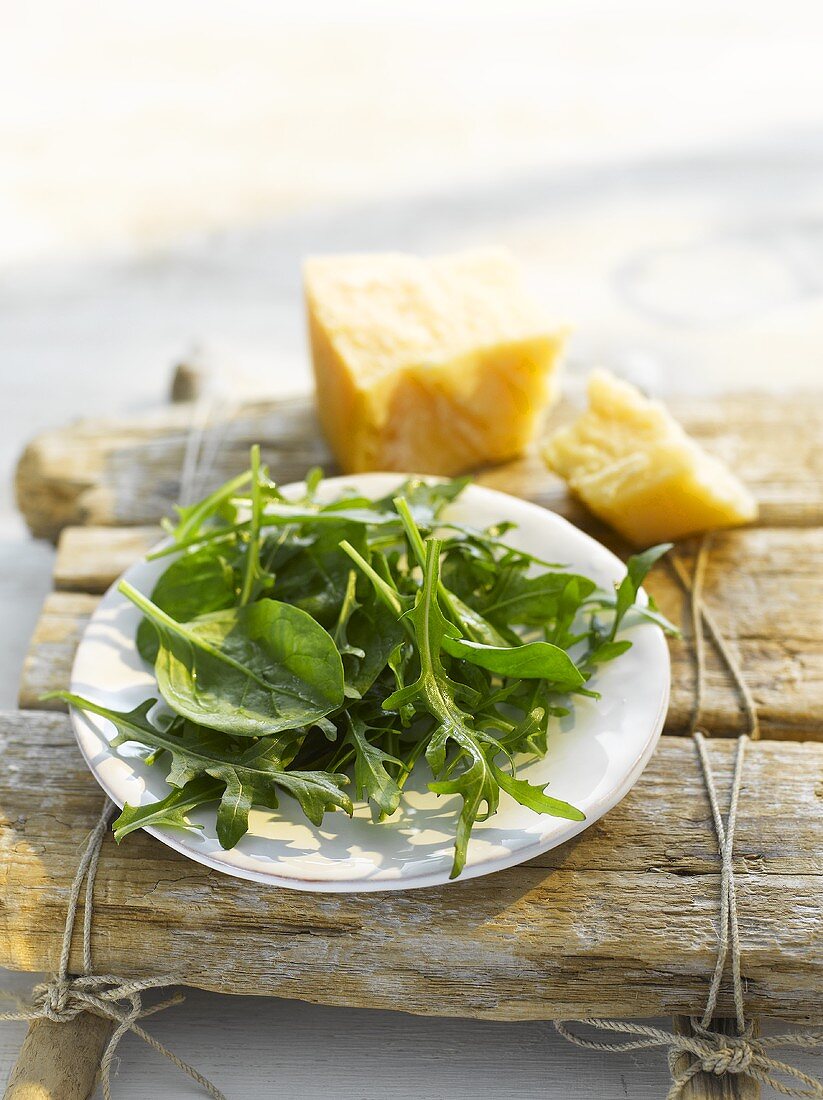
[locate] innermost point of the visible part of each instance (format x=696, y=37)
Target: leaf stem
x=389, y=595
x=253, y=550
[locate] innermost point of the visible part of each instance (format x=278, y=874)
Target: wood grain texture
x=127, y=471
x=47, y=666
x=90, y=559
x=619, y=921
x=757, y=578
x=59, y=1061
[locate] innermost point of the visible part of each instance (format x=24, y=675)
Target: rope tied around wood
x=710, y=1053
x=707, y=1051
x=65, y=996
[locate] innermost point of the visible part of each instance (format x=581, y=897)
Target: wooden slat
x=764, y=586
x=89, y=559
x=620, y=921
x=127, y=471
x=47, y=666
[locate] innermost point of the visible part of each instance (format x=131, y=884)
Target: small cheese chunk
x=633, y=465
x=427, y=366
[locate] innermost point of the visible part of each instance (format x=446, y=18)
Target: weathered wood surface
x=89, y=559
x=127, y=471
x=621, y=921
x=47, y=666
x=59, y=1061
x=764, y=586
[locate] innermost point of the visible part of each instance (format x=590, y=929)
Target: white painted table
x=165, y=166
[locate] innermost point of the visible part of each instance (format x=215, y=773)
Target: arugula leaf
x=425, y=499
x=532, y=661
x=371, y=778
x=192, y=517
x=255, y=775
x=533, y=798
x=475, y=783
x=637, y=567
x=169, y=812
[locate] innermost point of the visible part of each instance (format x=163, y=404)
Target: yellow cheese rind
x=632, y=464
x=431, y=366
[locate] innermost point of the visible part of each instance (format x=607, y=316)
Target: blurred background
x=164, y=167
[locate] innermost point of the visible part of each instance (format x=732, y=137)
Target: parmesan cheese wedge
x=632, y=464
x=431, y=366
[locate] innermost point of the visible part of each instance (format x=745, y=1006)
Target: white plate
x=595, y=756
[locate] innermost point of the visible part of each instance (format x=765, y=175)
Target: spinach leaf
x=249, y=671
x=529, y=601
x=315, y=580
x=194, y=584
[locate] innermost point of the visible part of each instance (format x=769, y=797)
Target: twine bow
x=707, y=1051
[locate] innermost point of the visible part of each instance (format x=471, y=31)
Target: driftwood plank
x=764, y=586
x=47, y=666
x=89, y=559
x=620, y=921
x=127, y=471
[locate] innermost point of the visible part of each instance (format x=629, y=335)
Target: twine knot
x=731, y=1055
x=705, y=1051
x=56, y=1000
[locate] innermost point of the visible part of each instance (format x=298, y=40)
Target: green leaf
x=434, y=691
x=533, y=798
x=251, y=567
x=530, y=601
x=637, y=568
x=192, y=517
x=426, y=499
x=316, y=578
x=194, y=584
x=607, y=651
x=371, y=779
x=170, y=811
x=373, y=635
x=533, y=661
x=255, y=775
x=248, y=671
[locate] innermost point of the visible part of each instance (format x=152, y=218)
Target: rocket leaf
x=255, y=775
